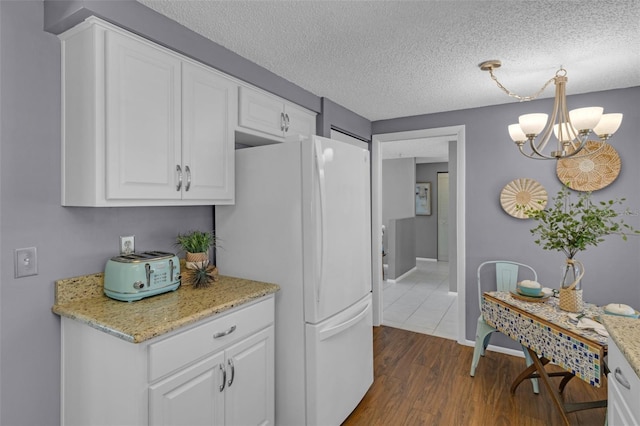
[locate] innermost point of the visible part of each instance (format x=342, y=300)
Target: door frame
x=457, y=134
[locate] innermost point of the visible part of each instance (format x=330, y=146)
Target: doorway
x=456, y=231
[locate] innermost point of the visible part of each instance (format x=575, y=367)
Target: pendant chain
x=522, y=98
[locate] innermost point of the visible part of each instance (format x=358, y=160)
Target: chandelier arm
x=514, y=95
x=538, y=147
x=534, y=157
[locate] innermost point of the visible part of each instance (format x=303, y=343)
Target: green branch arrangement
x=571, y=226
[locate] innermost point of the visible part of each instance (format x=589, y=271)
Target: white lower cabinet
x=219, y=371
x=190, y=397
x=623, y=390
x=231, y=387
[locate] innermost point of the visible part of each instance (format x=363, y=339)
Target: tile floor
x=421, y=301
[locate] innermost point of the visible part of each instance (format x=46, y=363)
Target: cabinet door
x=143, y=120
x=261, y=112
x=301, y=123
x=249, y=398
x=208, y=101
x=190, y=397
x=618, y=413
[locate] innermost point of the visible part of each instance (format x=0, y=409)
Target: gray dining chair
x=506, y=279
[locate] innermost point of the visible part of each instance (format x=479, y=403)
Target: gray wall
x=398, y=176
x=402, y=247
x=427, y=226
x=612, y=268
x=398, y=191
x=70, y=241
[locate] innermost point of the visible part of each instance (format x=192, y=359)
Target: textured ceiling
x=387, y=59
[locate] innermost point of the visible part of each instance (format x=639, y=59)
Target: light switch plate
x=25, y=262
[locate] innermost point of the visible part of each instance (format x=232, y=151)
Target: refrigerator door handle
x=323, y=228
x=332, y=331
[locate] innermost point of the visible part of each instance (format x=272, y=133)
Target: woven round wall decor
x=523, y=192
x=591, y=172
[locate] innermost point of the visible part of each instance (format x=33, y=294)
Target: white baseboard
x=402, y=276
x=425, y=259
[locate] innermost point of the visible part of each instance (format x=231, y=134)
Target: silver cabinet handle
x=179, y=170
x=188, y=171
x=282, y=121
x=224, y=377
x=621, y=379
x=233, y=372
x=286, y=122
x=224, y=333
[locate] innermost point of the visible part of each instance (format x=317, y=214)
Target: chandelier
x=570, y=128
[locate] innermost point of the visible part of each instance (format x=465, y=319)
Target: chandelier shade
x=570, y=129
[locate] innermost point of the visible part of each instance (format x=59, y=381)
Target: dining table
x=552, y=335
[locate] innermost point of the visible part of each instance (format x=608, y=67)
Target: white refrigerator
x=302, y=219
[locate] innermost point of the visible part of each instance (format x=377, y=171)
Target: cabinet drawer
x=622, y=374
x=183, y=348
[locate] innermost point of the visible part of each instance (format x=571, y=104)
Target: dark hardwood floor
x=424, y=380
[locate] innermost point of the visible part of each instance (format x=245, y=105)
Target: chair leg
x=529, y=361
x=483, y=335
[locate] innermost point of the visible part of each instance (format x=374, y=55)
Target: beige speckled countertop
x=82, y=299
x=625, y=332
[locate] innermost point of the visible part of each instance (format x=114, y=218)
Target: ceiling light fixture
x=571, y=128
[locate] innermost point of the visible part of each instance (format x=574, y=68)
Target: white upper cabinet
x=142, y=126
x=261, y=114
x=209, y=102
x=142, y=122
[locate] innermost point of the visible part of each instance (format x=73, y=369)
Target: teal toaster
x=134, y=276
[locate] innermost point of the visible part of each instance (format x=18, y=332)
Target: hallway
x=421, y=301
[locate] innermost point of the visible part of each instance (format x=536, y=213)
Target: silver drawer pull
x=224, y=333
x=621, y=379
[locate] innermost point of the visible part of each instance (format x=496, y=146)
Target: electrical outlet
x=25, y=262
x=127, y=244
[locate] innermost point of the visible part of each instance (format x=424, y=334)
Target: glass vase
x=571, y=286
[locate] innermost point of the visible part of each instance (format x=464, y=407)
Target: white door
x=143, y=120
x=250, y=381
x=339, y=364
x=337, y=226
x=261, y=112
x=299, y=122
x=192, y=396
x=207, y=143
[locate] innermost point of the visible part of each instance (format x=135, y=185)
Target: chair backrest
x=507, y=273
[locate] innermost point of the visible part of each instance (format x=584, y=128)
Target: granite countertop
x=82, y=299
x=625, y=332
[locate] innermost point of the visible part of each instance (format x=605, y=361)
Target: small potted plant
x=196, y=246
